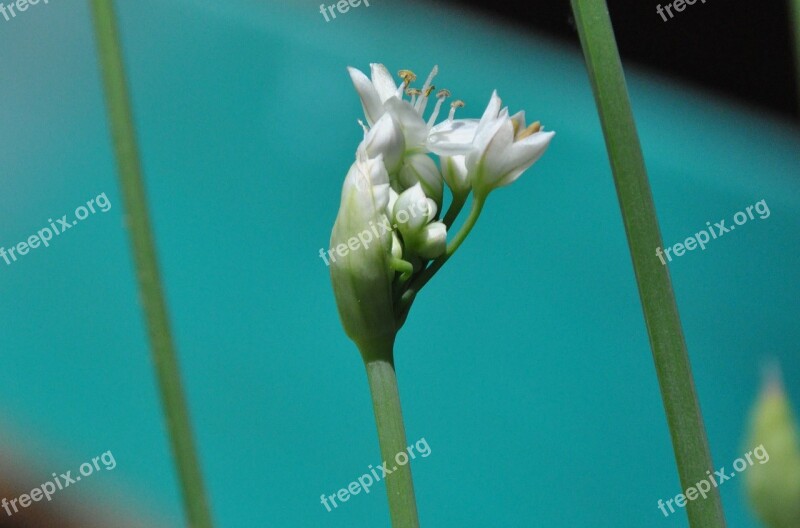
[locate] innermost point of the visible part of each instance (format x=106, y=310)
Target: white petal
x=497, y=151
x=420, y=168
x=409, y=212
x=519, y=121
x=386, y=138
x=493, y=108
x=364, y=188
x=485, y=133
x=414, y=128
x=370, y=100
x=383, y=81
x=454, y=172
x=452, y=137
x=523, y=154
x=393, y=196
x=380, y=196
x=371, y=169
x=431, y=211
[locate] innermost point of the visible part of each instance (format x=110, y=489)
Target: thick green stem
x=641, y=226
x=135, y=204
x=379, y=362
x=794, y=10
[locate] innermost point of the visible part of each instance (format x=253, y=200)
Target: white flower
x=503, y=148
x=380, y=95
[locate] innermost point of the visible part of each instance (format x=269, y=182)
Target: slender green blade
x=641, y=226
x=144, y=253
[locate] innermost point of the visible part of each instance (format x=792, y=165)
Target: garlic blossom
x=389, y=230
x=389, y=239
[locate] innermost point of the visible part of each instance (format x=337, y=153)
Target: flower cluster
x=394, y=172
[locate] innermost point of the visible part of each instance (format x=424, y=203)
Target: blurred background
x=737, y=49
x=525, y=365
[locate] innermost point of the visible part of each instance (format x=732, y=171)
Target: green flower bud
x=360, y=265
x=414, y=214
x=774, y=487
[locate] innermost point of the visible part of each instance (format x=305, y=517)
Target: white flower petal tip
x=382, y=81
x=370, y=100
x=385, y=138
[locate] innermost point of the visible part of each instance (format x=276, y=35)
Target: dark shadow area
x=739, y=48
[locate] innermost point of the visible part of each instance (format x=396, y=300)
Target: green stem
x=425, y=275
x=455, y=207
x=143, y=248
x=379, y=362
x=794, y=10
x=406, y=270
x=403, y=266
x=658, y=302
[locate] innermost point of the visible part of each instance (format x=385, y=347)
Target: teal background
x=525, y=364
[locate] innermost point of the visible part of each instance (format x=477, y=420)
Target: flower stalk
x=794, y=19
x=144, y=253
x=379, y=363
x=641, y=226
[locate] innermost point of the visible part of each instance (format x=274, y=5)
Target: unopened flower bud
x=361, y=277
x=773, y=484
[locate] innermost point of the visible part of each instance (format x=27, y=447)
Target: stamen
x=408, y=77
x=413, y=93
x=532, y=129
x=458, y=103
x=441, y=95
x=422, y=101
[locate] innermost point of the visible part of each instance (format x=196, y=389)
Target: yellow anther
x=413, y=91
x=444, y=92
x=458, y=103
x=429, y=90
x=407, y=75
x=532, y=129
